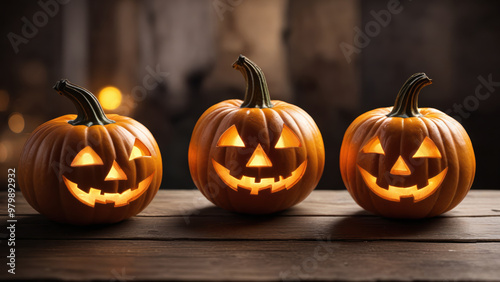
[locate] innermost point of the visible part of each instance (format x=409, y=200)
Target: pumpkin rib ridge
x=120, y=130
x=457, y=197
x=285, y=116
x=50, y=138
x=225, y=115
x=447, y=154
x=316, y=164
x=428, y=133
x=376, y=125
x=316, y=146
x=65, y=206
x=457, y=162
x=433, y=132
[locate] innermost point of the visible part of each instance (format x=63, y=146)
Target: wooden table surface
x=183, y=237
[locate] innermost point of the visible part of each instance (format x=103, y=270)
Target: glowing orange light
x=139, y=150
x=250, y=183
x=115, y=173
x=230, y=138
x=110, y=97
x=86, y=157
x=400, y=167
x=259, y=158
x=287, y=139
x=16, y=122
x=373, y=146
x=395, y=193
x=427, y=150
x=95, y=196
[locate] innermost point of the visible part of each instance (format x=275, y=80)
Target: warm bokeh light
x=16, y=122
x=110, y=97
x=4, y=100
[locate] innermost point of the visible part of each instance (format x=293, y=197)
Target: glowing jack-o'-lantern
x=407, y=162
x=103, y=169
x=255, y=156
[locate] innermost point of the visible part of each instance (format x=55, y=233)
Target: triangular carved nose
x=400, y=167
x=115, y=173
x=259, y=158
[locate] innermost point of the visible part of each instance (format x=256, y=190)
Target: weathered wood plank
x=255, y=261
x=238, y=227
x=334, y=203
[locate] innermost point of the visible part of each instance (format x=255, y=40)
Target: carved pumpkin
x=89, y=168
x=255, y=156
x=407, y=162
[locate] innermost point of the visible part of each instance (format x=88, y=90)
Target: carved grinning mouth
x=95, y=196
x=249, y=183
x=395, y=193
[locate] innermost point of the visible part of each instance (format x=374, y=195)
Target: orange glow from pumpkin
x=115, y=173
x=249, y=183
x=230, y=138
x=427, y=150
x=400, y=167
x=395, y=193
x=94, y=195
x=139, y=150
x=287, y=139
x=259, y=158
x=373, y=146
x=86, y=157
x=110, y=97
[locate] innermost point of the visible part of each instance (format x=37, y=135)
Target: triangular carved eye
x=427, y=150
x=230, y=138
x=86, y=157
x=373, y=146
x=139, y=150
x=287, y=139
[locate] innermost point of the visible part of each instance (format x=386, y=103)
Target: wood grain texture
x=239, y=227
x=319, y=203
x=182, y=237
x=251, y=261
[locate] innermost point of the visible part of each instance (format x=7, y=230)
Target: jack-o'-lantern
x=407, y=162
x=255, y=156
x=89, y=168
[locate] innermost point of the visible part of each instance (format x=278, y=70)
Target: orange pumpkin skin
x=401, y=136
x=46, y=164
x=256, y=126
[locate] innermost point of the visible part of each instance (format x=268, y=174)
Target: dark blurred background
x=171, y=60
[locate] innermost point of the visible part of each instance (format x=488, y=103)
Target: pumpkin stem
x=88, y=107
x=257, y=94
x=406, y=104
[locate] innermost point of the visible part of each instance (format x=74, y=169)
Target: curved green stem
x=257, y=94
x=88, y=107
x=406, y=104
